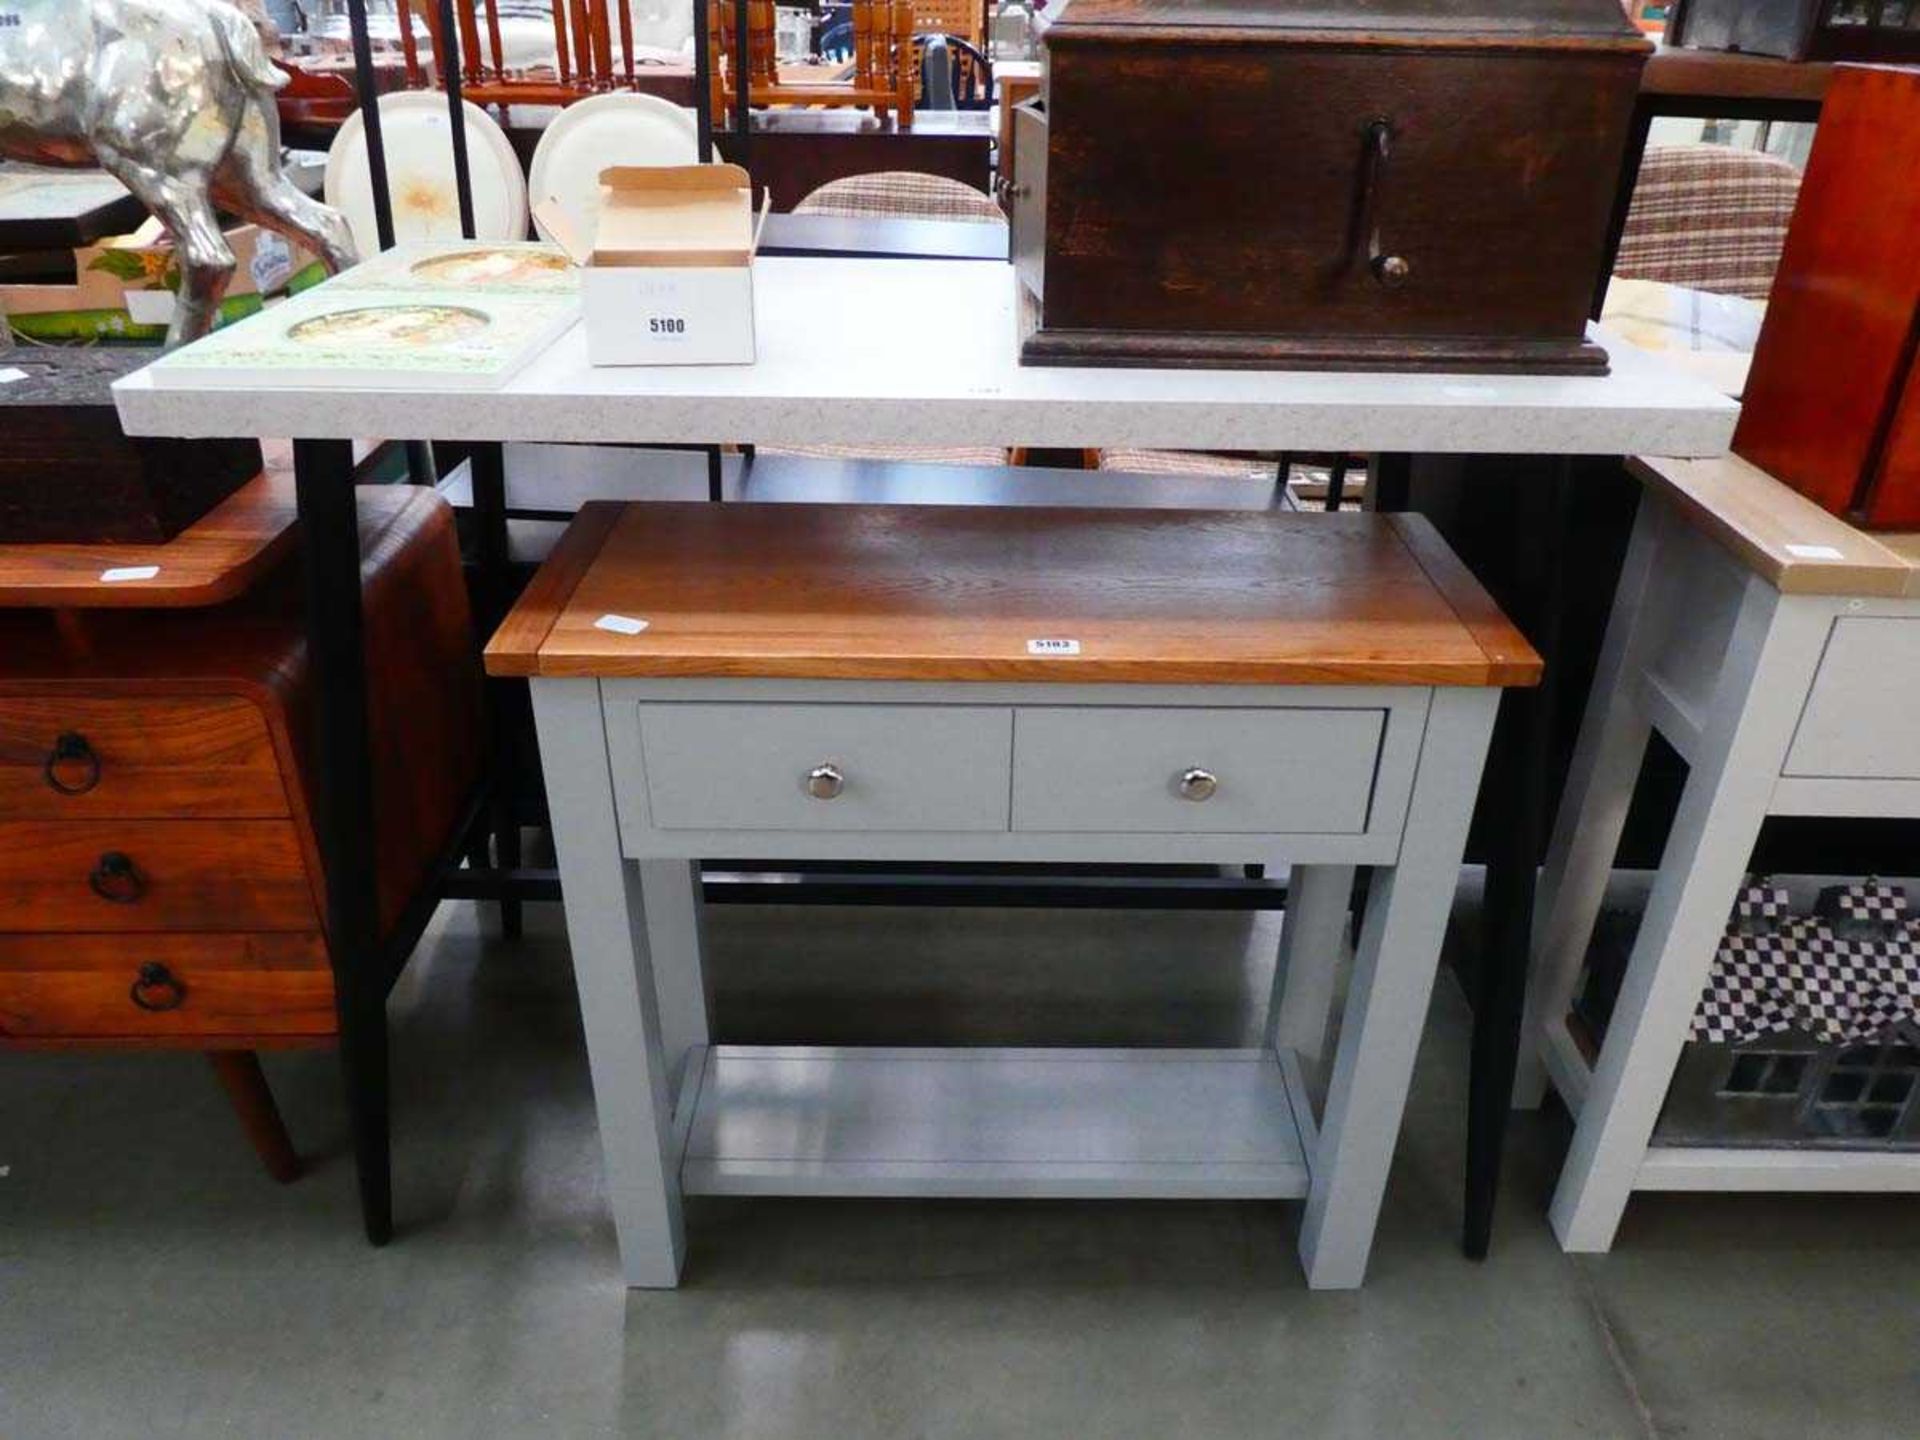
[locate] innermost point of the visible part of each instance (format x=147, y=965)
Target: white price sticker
x=1053, y=647
x=125, y=573
x=12, y=376
x=620, y=624
x=1814, y=552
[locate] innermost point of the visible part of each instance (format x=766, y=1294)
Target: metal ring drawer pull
x=825, y=782
x=156, y=989
x=117, y=880
x=1197, y=784
x=71, y=749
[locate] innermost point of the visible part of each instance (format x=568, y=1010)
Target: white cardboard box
x=668, y=279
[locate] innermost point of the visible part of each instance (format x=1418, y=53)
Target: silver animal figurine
x=175, y=99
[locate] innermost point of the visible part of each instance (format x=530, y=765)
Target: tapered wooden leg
x=240, y=1076
x=1386, y=1008
x=1301, y=1012
x=612, y=935
x=1771, y=656
x=1593, y=814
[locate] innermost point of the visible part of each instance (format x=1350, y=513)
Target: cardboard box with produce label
x=124, y=288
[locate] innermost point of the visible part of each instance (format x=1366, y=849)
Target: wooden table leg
x=612, y=938
x=1301, y=1013
x=1735, y=763
x=240, y=1076
x=1386, y=1012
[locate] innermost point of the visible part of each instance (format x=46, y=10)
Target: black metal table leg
x=330, y=540
x=1517, y=792
x=487, y=465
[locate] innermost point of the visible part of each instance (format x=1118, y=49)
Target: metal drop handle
x=1390, y=270
x=1197, y=784
x=825, y=782
x=156, y=989
x=116, y=879
x=71, y=749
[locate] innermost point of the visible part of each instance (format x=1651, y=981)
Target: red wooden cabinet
x=1832, y=404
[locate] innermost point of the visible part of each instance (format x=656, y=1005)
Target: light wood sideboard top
x=924, y=593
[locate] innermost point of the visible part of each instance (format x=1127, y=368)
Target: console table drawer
x=1198, y=771
x=826, y=767
x=1859, y=723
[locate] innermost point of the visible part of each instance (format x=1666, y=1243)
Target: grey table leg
x=612, y=941
x=1393, y=974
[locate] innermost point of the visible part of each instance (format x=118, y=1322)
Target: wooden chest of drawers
x=159, y=874
x=1400, y=185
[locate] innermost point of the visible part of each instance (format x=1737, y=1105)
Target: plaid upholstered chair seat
x=900, y=195
x=1190, y=462
x=1710, y=218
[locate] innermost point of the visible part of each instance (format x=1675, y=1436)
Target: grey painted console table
x=911, y=683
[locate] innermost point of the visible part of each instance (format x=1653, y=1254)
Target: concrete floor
x=154, y=1284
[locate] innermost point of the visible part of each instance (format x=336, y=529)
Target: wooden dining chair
x=585, y=60
x=883, y=78
x=901, y=195
x=971, y=71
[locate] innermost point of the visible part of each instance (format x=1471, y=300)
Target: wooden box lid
x=1581, y=24
x=929, y=593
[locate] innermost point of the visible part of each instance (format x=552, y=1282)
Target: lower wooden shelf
x=1033, y=1123
x=1831, y=1169
x=1709, y=1167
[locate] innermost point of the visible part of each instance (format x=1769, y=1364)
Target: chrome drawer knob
x=825, y=782
x=1198, y=784
x=1392, y=270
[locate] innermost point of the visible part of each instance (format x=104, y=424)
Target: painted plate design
x=418, y=134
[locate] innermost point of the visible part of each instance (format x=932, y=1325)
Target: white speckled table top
x=925, y=352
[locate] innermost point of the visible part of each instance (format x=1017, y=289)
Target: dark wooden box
x=1832, y=403
x=1409, y=184
x=70, y=475
x=1801, y=29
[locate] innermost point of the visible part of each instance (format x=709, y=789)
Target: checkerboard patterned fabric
x=1870, y=907
x=1838, y=986
x=1762, y=908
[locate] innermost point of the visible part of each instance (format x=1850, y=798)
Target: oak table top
x=878, y=592
x=211, y=561
x=1781, y=535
